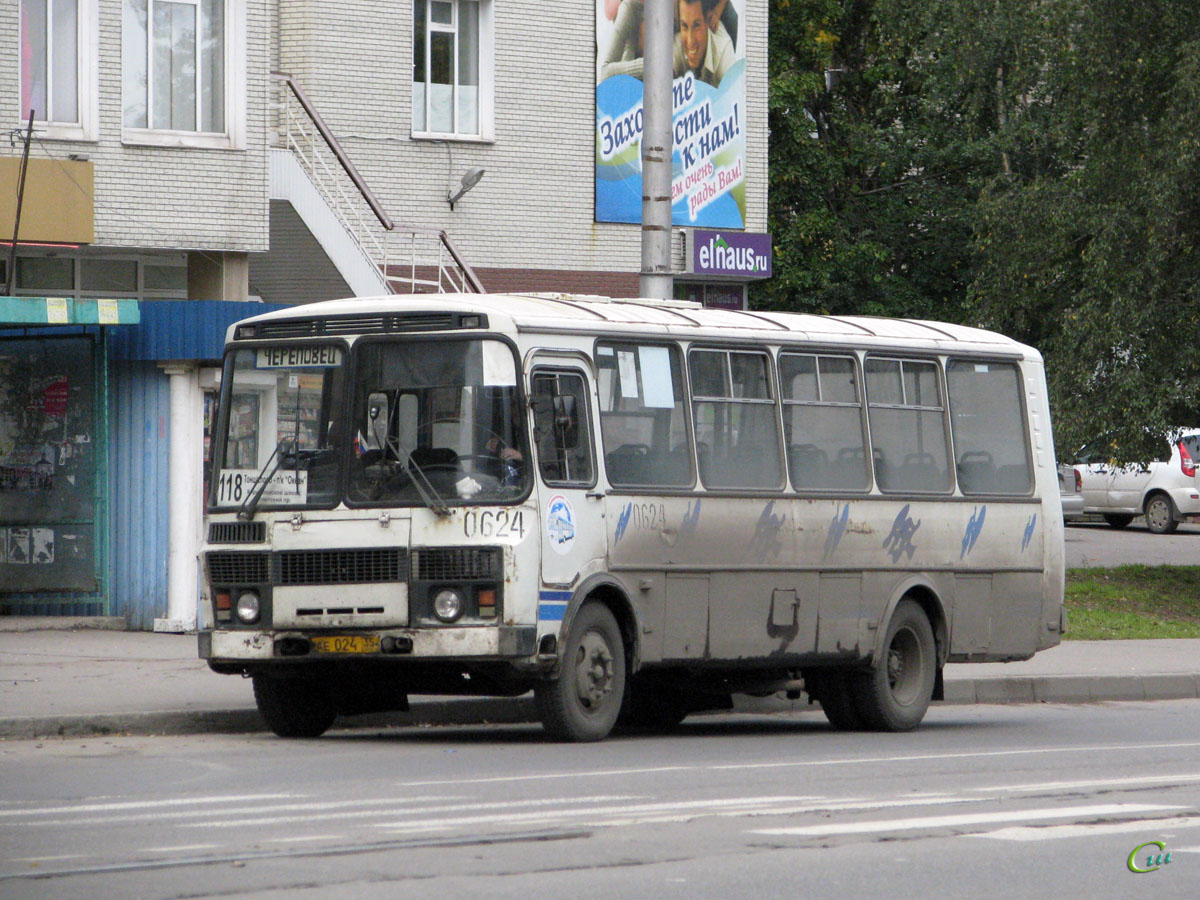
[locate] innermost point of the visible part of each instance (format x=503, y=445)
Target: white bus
x=634, y=508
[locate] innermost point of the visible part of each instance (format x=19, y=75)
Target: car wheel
x=1118, y=520
x=1160, y=514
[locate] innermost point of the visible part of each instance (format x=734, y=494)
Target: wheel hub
x=593, y=671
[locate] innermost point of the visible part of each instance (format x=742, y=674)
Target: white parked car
x=1166, y=491
x=1070, y=492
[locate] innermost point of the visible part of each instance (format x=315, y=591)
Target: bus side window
x=822, y=422
x=908, y=426
x=734, y=415
x=987, y=423
x=643, y=415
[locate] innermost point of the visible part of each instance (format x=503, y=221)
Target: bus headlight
x=248, y=607
x=448, y=604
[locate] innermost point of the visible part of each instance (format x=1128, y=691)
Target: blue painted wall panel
x=140, y=415
x=182, y=329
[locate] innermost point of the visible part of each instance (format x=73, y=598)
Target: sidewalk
x=55, y=680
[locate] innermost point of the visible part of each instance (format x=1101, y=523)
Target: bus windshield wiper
x=274, y=461
x=425, y=488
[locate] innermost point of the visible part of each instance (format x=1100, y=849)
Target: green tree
x=1089, y=250
x=1023, y=165
x=870, y=198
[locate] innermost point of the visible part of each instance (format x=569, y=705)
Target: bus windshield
x=281, y=434
x=436, y=422
x=433, y=423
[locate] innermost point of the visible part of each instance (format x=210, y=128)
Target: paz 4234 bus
x=633, y=508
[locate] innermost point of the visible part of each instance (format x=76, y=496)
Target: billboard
x=708, y=162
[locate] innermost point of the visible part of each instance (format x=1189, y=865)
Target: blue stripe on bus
x=552, y=605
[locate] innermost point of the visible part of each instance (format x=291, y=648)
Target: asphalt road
x=1099, y=545
x=1029, y=801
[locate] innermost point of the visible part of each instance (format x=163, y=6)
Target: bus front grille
x=239, y=567
x=456, y=563
x=297, y=567
x=308, y=567
x=237, y=532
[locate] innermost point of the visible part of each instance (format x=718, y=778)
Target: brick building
x=280, y=152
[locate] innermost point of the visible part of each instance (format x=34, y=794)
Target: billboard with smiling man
x=709, y=126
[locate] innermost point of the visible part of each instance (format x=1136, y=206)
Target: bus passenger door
x=571, y=511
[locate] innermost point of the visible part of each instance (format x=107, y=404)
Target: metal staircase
x=374, y=253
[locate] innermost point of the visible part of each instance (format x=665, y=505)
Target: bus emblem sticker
x=560, y=524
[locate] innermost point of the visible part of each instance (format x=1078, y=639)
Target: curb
x=63, y=623
x=520, y=710
x=423, y=714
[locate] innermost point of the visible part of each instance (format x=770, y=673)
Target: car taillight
x=1186, y=462
x=1078, y=481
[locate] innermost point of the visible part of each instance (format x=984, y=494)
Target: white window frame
x=76, y=258
x=486, y=73
x=87, y=39
x=234, y=136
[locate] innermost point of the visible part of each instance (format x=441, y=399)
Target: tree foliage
x=1025, y=165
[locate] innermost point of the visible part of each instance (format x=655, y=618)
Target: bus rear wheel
x=894, y=695
x=294, y=707
x=583, y=702
x=831, y=688
x=653, y=704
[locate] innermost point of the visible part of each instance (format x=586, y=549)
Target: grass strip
x=1133, y=603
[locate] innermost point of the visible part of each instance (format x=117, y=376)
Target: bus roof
x=587, y=314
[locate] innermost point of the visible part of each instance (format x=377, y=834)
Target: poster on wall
x=47, y=464
x=708, y=164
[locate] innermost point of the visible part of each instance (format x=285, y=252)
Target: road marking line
x=180, y=848
x=671, y=811
x=1094, y=782
x=1054, y=832
x=35, y=859
x=420, y=810
x=830, y=829
x=871, y=760
x=307, y=837
x=239, y=810
x=142, y=804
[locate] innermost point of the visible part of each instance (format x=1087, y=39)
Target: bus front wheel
x=583, y=702
x=894, y=695
x=294, y=707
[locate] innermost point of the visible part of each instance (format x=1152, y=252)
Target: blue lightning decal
x=623, y=522
x=837, y=528
x=1028, y=532
x=974, y=528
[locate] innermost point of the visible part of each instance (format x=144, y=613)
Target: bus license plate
x=347, y=643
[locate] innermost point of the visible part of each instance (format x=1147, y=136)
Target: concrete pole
x=657, y=113
x=184, y=480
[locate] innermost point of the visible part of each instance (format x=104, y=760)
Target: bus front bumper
x=500, y=642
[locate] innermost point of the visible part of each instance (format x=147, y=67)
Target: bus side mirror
x=566, y=421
